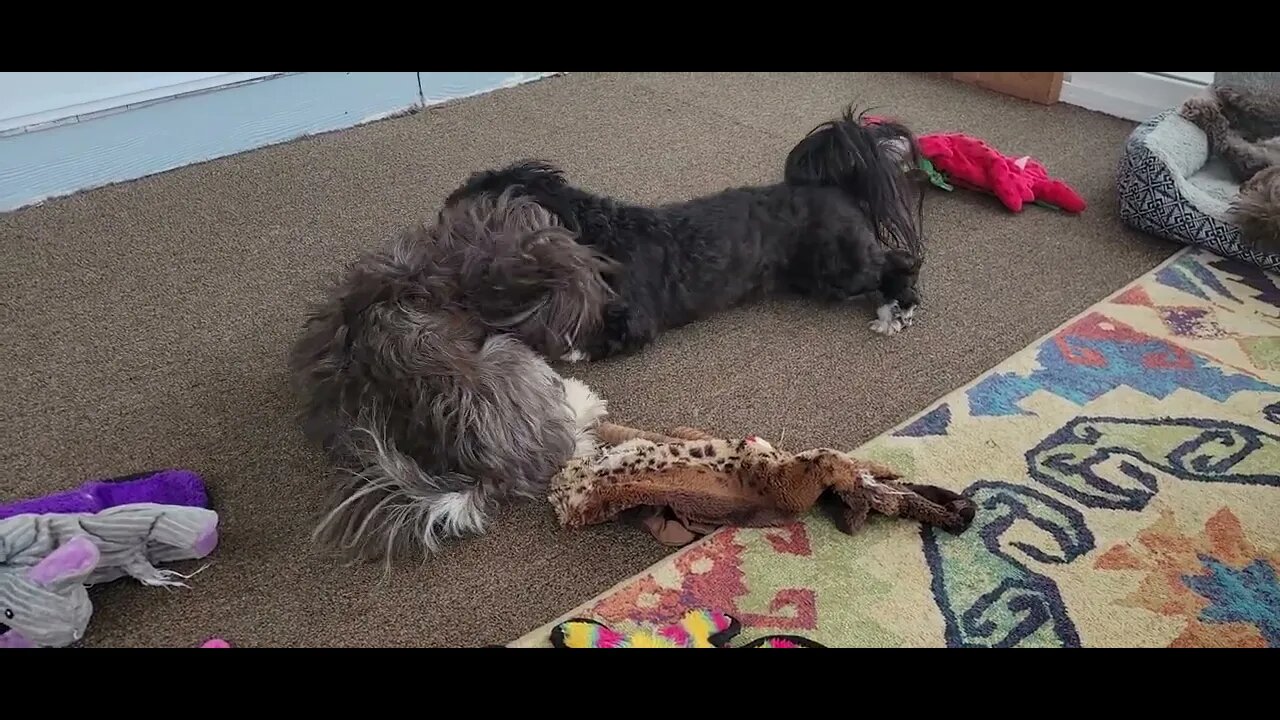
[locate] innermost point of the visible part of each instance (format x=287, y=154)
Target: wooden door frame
x=1044, y=88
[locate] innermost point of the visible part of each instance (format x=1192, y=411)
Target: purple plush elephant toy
x=52, y=546
x=163, y=487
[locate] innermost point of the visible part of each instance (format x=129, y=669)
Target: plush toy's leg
x=688, y=433
x=613, y=434
x=878, y=471
x=936, y=506
x=184, y=535
x=667, y=530
x=167, y=532
x=854, y=510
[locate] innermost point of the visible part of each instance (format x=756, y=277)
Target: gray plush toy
x=46, y=560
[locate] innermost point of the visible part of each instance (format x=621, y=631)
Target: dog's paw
x=891, y=319
x=1200, y=110
x=892, y=326
x=888, y=320
x=574, y=356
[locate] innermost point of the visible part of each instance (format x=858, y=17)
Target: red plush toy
x=971, y=163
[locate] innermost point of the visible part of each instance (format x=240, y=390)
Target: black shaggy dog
x=840, y=225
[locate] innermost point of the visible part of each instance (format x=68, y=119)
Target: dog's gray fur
x=416, y=376
x=1242, y=125
x=1256, y=210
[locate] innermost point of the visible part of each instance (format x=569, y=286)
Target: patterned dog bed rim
x=1151, y=202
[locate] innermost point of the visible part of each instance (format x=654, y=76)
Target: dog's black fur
x=840, y=225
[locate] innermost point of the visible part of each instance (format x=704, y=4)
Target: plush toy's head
x=697, y=629
x=46, y=604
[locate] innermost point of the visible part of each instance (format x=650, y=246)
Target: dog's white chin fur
x=587, y=410
x=887, y=322
x=463, y=513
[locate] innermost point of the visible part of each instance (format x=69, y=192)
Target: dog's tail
x=384, y=502
x=876, y=162
x=395, y=494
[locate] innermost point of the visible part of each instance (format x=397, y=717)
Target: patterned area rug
x=1127, y=473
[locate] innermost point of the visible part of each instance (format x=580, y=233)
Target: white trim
x=87, y=110
x=1199, y=78
x=1133, y=96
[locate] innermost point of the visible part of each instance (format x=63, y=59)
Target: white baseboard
x=66, y=155
x=1133, y=96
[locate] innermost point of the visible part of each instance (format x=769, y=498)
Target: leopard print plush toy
x=708, y=482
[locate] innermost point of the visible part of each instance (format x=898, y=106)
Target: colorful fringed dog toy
x=697, y=629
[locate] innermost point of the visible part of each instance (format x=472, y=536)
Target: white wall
x=1133, y=96
x=1201, y=78
x=36, y=98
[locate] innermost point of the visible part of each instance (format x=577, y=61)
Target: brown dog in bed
x=1243, y=128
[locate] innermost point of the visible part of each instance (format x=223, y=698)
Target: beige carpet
x=147, y=323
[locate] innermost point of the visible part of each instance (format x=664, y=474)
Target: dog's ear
x=532, y=277
x=574, y=294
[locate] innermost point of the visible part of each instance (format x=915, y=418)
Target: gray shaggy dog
x=417, y=378
x=1243, y=128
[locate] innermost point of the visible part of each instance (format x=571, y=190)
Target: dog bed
x=1170, y=187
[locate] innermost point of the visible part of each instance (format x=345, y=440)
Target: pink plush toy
x=970, y=162
x=215, y=643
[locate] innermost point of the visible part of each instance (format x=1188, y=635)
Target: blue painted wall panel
x=195, y=128
x=441, y=86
